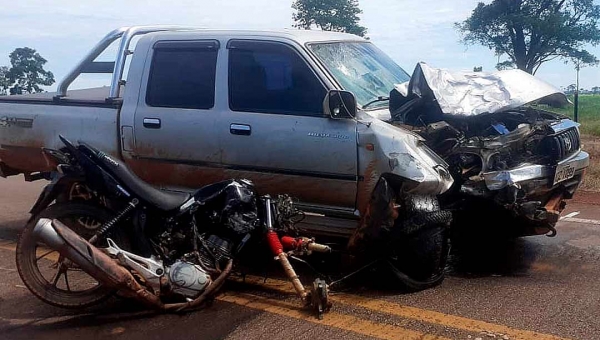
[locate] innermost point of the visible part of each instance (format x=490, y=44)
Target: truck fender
x=392, y=211
x=378, y=218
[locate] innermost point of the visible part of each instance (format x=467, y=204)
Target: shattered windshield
x=361, y=68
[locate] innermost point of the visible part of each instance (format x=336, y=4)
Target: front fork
x=318, y=297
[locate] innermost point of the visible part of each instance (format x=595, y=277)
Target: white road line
x=573, y=214
x=581, y=220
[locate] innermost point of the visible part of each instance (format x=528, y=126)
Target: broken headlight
x=434, y=156
x=497, y=163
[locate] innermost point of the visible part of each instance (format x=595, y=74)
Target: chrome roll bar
x=88, y=65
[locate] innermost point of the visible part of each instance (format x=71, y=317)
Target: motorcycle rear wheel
x=68, y=287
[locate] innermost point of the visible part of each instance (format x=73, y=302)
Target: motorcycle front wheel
x=52, y=278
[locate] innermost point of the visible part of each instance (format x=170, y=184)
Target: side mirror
x=340, y=104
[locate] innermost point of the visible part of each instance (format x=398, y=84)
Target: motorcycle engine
x=216, y=251
x=188, y=279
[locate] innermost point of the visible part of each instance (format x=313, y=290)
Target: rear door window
x=182, y=74
x=272, y=77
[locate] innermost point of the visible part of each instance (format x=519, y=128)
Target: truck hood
x=475, y=93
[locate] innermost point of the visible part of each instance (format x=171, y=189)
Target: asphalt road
x=531, y=288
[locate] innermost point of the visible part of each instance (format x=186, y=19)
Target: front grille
x=561, y=145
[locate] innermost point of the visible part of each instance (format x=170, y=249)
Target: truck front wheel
x=418, y=260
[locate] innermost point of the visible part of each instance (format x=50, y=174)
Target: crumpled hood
x=474, y=93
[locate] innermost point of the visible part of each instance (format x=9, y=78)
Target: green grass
x=589, y=117
x=589, y=113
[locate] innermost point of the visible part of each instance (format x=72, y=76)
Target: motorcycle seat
x=162, y=199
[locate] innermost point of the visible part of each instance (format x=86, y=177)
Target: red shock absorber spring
x=274, y=243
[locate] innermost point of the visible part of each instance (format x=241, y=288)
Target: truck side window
x=182, y=75
x=272, y=77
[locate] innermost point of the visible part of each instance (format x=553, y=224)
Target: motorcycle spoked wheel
x=49, y=276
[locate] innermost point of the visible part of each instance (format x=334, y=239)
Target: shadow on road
x=10, y=230
x=471, y=257
x=30, y=318
x=474, y=257
x=120, y=317
x=481, y=257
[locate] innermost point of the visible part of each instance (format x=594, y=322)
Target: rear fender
x=60, y=183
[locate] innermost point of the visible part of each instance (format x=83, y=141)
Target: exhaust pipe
x=92, y=260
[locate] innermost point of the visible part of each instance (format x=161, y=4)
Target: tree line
x=572, y=88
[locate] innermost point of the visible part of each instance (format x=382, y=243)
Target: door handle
x=152, y=123
x=240, y=129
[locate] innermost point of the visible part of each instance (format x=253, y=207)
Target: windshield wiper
x=379, y=99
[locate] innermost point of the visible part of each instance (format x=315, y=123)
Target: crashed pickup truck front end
x=519, y=160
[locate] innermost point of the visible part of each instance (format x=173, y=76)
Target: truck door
x=275, y=132
x=176, y=143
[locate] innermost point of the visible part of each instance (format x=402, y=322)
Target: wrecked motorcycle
x=172, y=251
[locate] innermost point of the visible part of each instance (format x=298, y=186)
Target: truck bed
x=87, y=97
x=30, y=122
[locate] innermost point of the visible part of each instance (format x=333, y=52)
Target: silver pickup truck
x=200, y=106
x=188, y=107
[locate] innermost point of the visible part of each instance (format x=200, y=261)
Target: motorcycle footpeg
x=319, y=298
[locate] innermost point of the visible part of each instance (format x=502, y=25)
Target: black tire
x=420, y=221
x=27, y=257
x=419, y=260
x=419, y=204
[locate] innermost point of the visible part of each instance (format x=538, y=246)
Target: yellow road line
x=12, y=246
x=382, y=306
x=332, y=319
x=8, y=245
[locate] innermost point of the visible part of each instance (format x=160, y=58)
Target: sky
x=407, y=30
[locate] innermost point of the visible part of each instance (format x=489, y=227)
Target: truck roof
x=298, y=35
x=105, y=94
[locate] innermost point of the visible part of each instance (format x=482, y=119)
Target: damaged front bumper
x=497, y=180
x=537, y=192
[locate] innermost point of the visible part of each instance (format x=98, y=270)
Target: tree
x=505, y=65
x=329, y=15
x=571, y=88
x=478, y=69
x=4, y=81
x=27, y=72
x=596, y=89
x=532, y=32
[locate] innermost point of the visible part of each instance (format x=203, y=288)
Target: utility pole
x=576, y=95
